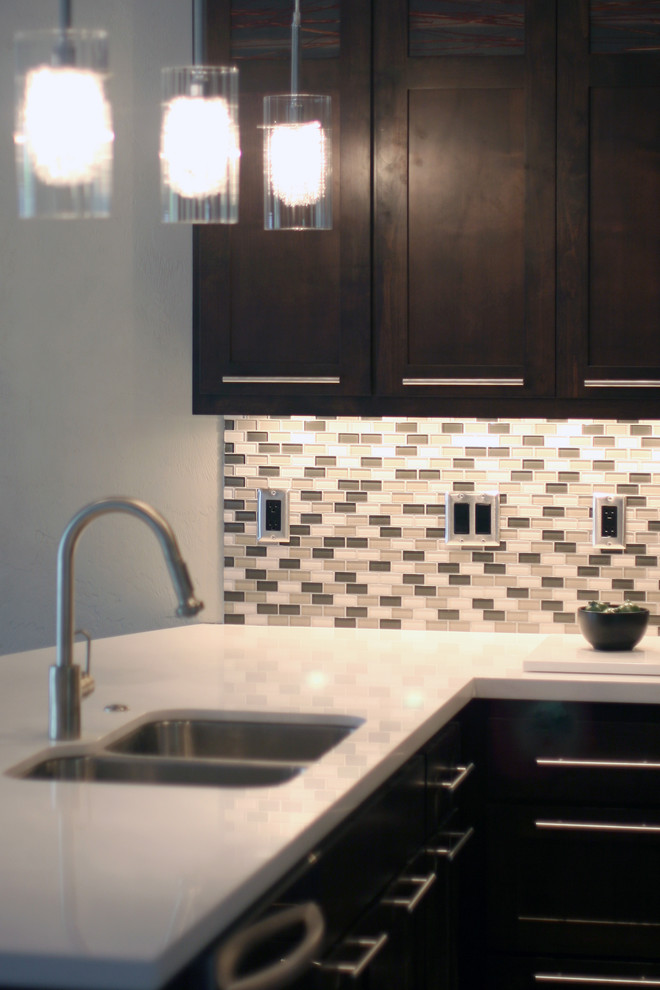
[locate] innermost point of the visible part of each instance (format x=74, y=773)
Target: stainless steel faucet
x=65, y=677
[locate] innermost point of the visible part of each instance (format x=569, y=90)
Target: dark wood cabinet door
x=464, y=121
x=287, y=313
x=608, y=256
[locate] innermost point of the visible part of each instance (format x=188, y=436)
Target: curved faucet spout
x=64, y=720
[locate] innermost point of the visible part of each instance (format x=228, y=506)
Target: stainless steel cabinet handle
x=282, y=972
x=371, y=946
x=455, y=783
x=423, y=885
x=596, y=981
x=597, y=764
x=621, y=383
x=463, y=381
x=454, y=843
x=281, y=380
x=598, y=827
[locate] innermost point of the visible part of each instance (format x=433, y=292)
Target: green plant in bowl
x=612, y=627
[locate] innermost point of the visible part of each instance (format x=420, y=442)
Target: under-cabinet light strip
x=280, y=380
x=463, y=381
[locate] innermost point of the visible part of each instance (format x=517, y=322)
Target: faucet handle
x=86, y=680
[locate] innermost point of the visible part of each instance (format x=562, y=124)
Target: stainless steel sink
x=197, y=748
x=99, y=768
x=238, y=739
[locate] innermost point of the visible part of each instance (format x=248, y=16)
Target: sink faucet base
x=64, y=702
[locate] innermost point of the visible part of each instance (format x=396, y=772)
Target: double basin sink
x=209, y=749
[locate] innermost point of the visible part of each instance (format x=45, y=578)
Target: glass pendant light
x=63, y=136
x=199, y=139
x=297, y=154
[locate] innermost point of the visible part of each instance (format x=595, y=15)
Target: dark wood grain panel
x=290, y=304
x=624, y=227
x=466, y=227
x=466, y=27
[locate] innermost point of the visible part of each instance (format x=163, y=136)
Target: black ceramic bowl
x=612, y=630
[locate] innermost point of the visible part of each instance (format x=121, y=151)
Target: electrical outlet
x=472, y=520
x=609, y=521
x=272, y=516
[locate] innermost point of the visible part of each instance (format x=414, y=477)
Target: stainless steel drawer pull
x=281, y=380
x=371, y=946
x=461, y=774
x=423, y=885
x=596, y=981
x=622, y=383
x=463, y=381
x=455, y=842
x=598, y=764
x=599, y=827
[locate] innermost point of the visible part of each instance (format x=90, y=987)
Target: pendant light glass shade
x=297, y=162
x=63, y=136
x=199, y=145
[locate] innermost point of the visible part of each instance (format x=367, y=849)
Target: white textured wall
x=95, y=362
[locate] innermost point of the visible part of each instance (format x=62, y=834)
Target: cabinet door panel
x=608, y=195
x=464, y=208
x=465, y=227
x=287, y=313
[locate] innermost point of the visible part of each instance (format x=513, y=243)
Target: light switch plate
x=609, y=521
x=472, y=520
x=272, y=515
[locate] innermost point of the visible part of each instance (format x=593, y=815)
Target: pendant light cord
x=65, y=15
x=199, y=32
x=295, y=49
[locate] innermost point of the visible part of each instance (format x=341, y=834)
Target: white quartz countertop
x=106, y=885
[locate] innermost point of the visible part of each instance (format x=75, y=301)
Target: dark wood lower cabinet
x=539, y=868
x=573, y=845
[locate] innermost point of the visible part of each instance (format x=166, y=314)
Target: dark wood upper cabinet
x=608, y=198
x=496, y=239
x=464, y=110
x=287, y=313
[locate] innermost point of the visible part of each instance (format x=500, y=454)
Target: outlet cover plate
x=272, y=515
x=472, y=520
x=609, y=521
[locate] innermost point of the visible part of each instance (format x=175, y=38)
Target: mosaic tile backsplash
x=367, y=514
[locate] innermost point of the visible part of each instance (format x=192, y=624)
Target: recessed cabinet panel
x=465, y=226
x=624, y=228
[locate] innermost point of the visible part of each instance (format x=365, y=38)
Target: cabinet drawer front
x=563, y=752
x=368, y=852
x=575, y=879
